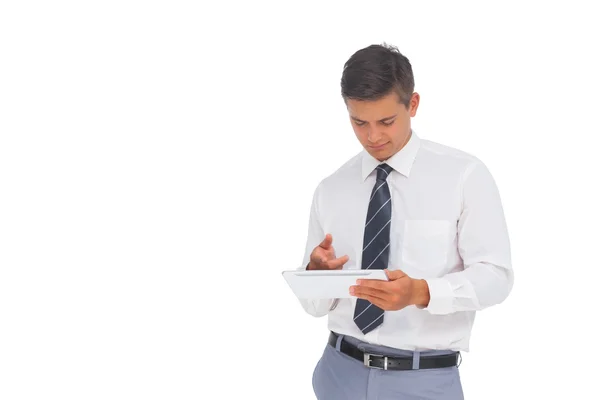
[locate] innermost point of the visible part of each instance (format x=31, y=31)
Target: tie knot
x=383, y=170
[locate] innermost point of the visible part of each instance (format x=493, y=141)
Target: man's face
x=382, y=126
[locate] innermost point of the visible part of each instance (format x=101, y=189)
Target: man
x=428, y=214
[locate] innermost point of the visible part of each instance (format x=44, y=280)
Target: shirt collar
x=402, y=161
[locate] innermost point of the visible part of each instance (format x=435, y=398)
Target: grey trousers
x=339, y=376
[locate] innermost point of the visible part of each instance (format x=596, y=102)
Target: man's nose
x=374, y=135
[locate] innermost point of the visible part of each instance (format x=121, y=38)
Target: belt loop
x=338, y=342
x=416, y=359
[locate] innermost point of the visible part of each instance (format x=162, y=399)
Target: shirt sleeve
x=314, y=307
x=483, y=244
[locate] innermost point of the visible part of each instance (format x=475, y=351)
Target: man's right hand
x=323, y=256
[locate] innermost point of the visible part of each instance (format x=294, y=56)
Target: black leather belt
x=394, y=363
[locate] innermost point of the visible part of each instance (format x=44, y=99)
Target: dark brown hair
x=376, y=71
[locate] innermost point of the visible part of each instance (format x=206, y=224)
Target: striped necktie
x=376, y=246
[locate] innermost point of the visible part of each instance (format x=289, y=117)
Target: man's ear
x=414, y=104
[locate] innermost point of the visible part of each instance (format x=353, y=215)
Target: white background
x=157, y=162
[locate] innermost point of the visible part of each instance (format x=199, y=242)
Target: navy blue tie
x=376, y=246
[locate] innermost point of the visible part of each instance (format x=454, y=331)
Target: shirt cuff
x=440, y=296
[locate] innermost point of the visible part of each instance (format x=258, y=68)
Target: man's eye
x=359, y=123
x=388, y=123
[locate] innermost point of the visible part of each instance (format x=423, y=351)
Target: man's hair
x=375, y=71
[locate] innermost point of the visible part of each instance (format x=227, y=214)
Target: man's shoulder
x=447, y=156
x=346, y=172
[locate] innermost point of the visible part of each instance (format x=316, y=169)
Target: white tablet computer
x=328, y=284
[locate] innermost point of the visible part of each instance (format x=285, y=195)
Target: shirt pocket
x=425, y=246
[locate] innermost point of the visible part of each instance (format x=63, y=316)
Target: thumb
x=326, y=243
x=395, y=274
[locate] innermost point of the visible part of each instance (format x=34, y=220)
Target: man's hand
x=323, y=256
x=400, y=291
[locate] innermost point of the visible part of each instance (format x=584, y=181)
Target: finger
x=320, y=256
x=373, y=283
x=395, y=274
x=361, y=291
x=376, y=301
x=337, y=263
x=326, y=243
x=384, y=305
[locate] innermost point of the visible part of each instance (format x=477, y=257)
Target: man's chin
x=380, y=154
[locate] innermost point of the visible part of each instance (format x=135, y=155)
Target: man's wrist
x=420, y=293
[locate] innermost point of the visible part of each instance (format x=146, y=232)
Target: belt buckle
x=367, y=361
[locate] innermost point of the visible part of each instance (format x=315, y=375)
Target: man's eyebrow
x=381, y=120
x=385, y=119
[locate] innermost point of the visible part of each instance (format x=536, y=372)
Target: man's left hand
x=400, y=291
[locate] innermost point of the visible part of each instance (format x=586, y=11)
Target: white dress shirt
x=448, y=227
